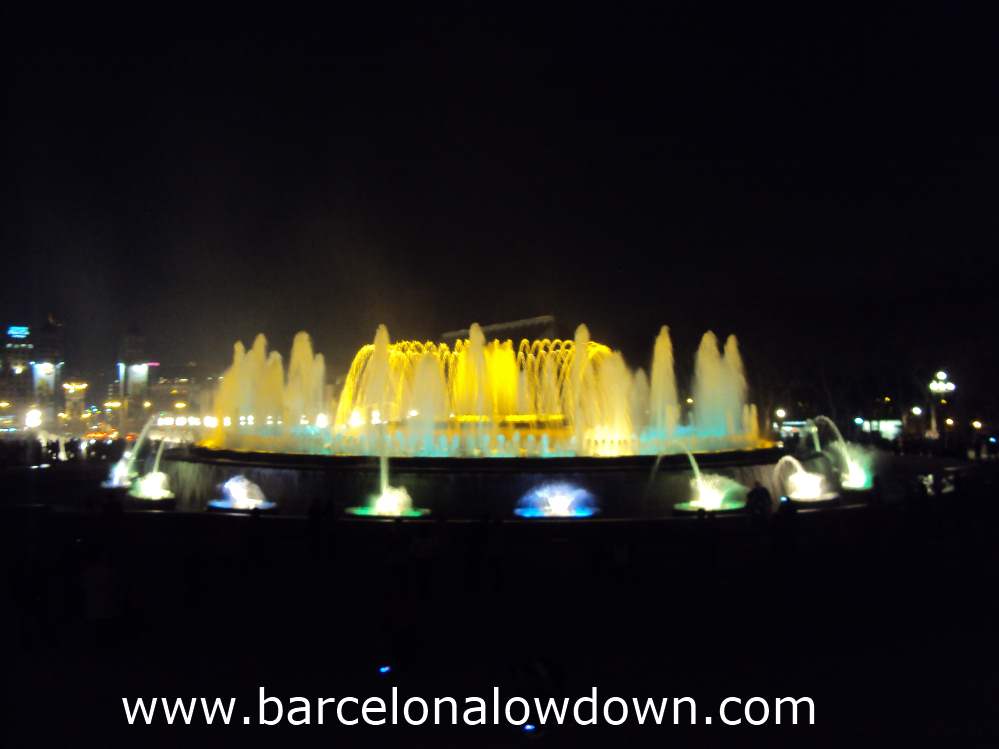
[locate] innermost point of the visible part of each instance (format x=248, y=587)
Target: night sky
x=432, y=173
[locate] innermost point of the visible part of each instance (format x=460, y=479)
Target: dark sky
x=431, y=173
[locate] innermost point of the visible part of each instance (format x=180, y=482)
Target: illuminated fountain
x=391, y=501
x=799, y=484
x=154, y=485
x=241, y=494
x=123, y=472
x=542, y=398
x=557, y=500
x=260, y=406
x=457, y=421
x=712, y=493
x=854, y=466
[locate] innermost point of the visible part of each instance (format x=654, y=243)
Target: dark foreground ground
x=884, y=615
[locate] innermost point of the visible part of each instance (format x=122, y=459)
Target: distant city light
x=917, y=411
x=211, y=421
x=4, y=404
x=180, y=404
x=73, y=387
x=147, y=404
x=859, y=420
x=33, y=419
x=690, y=401
x=18, y=331
x=780, y=413
x=949, y=422
x=941, y=375
x=112, y=404
x=976, y=424
x=322, y=421
x=887, y=399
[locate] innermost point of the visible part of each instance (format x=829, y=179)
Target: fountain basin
x=826, y=498
x=230, y=505
x=371, y=512
x=131, y=502
x=473, y=488
x=729, y=504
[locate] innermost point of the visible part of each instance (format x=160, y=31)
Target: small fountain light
x=855, y=476
x=800, y=484
x=392, y=501
x=395, y=500
x=239, y=493
x=854, y=464
x=154, y=485
x=709, y=496
x=557, y=500
x=806, y=486
x=118, y=477
x=714, y=493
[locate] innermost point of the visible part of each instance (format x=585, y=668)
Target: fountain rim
x=306, y=461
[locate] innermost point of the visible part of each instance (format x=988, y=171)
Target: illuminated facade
x=31, y=363
x=131, y=386
x=16, y=384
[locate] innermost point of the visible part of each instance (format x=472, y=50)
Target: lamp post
x=940, y=386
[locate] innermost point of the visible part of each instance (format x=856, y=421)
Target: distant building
x=16, y=377
x=31, y=364
x=131, y=384
x=184, y=389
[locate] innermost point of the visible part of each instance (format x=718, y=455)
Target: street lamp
x=940, y=384
x=780, y=413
